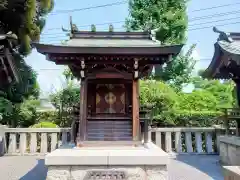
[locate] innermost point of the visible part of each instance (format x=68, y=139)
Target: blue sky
x=49, y=74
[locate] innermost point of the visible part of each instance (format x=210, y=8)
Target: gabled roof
x=87, y=42
x=227, y=50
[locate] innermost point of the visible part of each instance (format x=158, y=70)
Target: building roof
x=8, y=71
x=87, y=42
x=113, y=39
x=99, y=49
x=227, y=51
x=232, y=48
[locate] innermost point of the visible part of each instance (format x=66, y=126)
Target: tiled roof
x=112, y=39
x=112, y=43
x=231, y=47
x=227, y=43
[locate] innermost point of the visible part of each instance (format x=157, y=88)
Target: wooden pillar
x=85, y=110
x=135, y=110
x=237, y=82
x=81, y=129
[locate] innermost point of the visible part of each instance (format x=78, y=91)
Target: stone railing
x=21, y=141
x=231, y=172
x=186, y=139
x=34, y=140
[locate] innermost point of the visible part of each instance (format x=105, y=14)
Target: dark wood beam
x=106, y=59
x=135, y=110
x=237, y=82
x=81, y=133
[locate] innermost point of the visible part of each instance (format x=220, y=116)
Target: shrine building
x=109, y=66
x=8, y=70
x=225, y=63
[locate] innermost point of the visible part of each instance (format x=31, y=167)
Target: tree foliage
x=198, y=108
x=64, y=100
x=169, y=17
x=179, y=71
x=26, y=19
x=28, y=85
x=222, y=91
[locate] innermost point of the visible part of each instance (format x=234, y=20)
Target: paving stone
x=183, y=167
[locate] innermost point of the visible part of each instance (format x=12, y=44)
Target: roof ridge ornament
x=223, y=35
x=153, y=35
x=9, y=35
x=73, y=28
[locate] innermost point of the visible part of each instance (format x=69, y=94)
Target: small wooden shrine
x=226, y=64
x=109, y=66
x=8, y=71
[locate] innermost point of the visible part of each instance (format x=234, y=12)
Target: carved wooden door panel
x=110, y=99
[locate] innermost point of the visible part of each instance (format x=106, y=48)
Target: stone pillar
x=146, y=129
x=2, y=140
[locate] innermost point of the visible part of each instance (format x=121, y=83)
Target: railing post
x=149, y=134
x=2, y=140
x=218, y=133
x=226, y=122
x=146, y=140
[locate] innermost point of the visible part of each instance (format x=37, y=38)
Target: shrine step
x=109, y=130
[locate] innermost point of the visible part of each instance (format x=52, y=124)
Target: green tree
x=65, y=99
x=161, y=96
x=172, y=108
x=222, y=91
x=28, y=112
x=179, y=71
x=198, y=100
x=18, y=93
x=26, y=19
x=28, y=85
x=169, y=17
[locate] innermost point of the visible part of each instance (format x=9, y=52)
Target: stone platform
x=145, y=162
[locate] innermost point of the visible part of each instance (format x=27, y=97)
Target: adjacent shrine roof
x=226, y=60
x=8, y=71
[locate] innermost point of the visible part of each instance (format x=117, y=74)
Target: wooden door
x=110, y=99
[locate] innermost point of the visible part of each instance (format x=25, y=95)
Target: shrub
x=47, y=116
x=186, y=118
x=44, y=125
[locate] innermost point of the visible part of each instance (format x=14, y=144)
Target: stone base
x=129, y=163
x=107, y=172
x=230, y=150
x=231, y=172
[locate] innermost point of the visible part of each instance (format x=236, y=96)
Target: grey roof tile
x=231, y=47
x=112, y=43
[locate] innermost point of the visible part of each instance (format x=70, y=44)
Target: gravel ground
x=183, y=167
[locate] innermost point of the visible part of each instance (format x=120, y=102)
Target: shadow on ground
x=208, y=164
x=39, y=172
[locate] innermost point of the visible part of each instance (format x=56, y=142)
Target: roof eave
x=164, y=50
x=220, y=55
x=211, y=71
